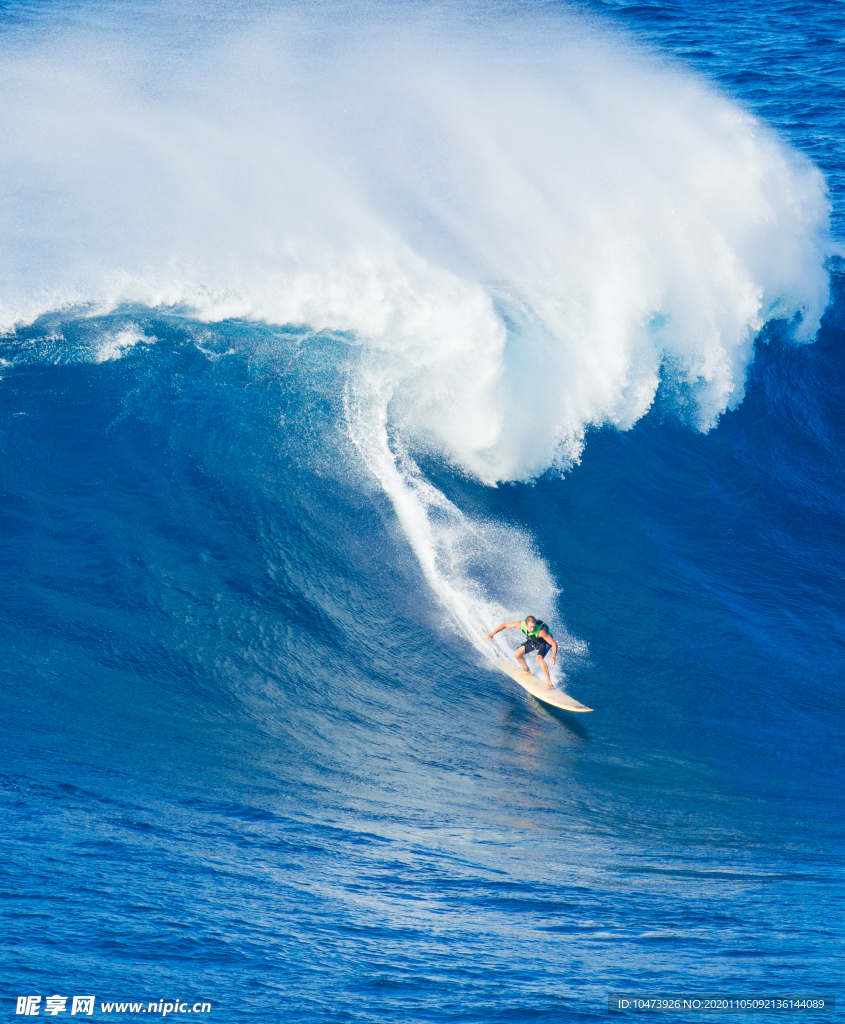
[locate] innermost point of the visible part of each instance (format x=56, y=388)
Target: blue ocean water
x=262, y=494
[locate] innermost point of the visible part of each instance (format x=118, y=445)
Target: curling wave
x=526, y=225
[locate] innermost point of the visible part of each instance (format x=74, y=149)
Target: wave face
x=334, y=335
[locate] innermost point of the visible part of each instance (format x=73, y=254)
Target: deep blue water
x=249, y=760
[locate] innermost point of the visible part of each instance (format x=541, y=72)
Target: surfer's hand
x=489, y=636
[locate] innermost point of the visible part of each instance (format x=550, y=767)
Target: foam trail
x=482, y=573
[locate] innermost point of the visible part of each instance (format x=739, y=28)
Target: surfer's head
x=530, y=620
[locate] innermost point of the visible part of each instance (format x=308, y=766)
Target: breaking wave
x=525, y=226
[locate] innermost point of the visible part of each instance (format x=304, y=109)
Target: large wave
x=525, y=224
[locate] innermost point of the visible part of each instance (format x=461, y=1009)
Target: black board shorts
x=538, y=644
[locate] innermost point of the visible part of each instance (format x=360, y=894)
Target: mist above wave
x=525, y=223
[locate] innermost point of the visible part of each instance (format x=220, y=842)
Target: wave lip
x=534, y=221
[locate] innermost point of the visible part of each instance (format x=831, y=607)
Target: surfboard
x=537, y=688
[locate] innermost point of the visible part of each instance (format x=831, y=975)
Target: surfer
x=537, y=638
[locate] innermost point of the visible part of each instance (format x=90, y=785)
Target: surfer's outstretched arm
x=504, y=625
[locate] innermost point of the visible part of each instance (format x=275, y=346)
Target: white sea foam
x=481, y=572
x=525, y=222
x=115, y=344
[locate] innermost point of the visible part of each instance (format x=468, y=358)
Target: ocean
x=333, y=336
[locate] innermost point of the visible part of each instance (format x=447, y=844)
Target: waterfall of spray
x=481, y=573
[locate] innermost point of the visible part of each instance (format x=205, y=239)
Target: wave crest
x=523, y=219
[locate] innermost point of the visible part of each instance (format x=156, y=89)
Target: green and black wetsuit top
x=533, y=640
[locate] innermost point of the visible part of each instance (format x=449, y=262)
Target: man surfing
x=537, y=638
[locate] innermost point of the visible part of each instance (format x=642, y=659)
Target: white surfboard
x=537, y=688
